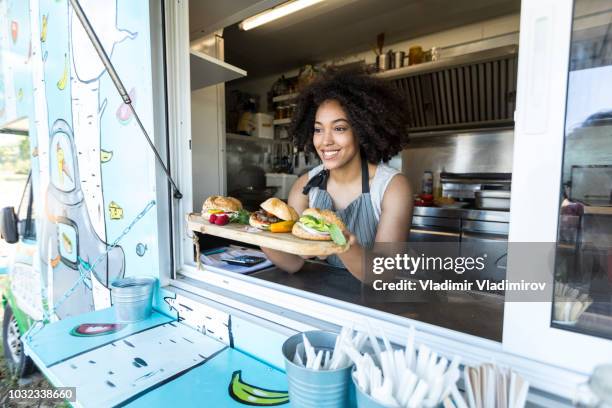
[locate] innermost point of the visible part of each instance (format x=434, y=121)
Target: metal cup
x=363, y=399
x=383, y=62
x=310, y=388
x=399, y=59
x=132, y=299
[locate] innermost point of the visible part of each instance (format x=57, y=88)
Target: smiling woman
x=355, y=124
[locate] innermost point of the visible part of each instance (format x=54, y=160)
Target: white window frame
x=538, y=155
x=542, y=368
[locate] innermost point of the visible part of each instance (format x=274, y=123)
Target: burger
x=272, y=210
x=320, y=225
x=220, y=205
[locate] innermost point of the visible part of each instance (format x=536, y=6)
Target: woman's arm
x=289, y=262
x=393, y=226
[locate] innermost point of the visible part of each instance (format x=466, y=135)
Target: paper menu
x=213, y=259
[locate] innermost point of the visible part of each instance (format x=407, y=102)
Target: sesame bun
x=327, y=215
x=227, y=204
x=278, y=208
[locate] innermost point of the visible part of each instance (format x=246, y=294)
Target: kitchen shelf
x=253, y=139
x=450, y=62
x=284, y=121
x=286, y=97
x=207, y=71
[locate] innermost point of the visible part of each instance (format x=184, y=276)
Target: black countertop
x=472, y=313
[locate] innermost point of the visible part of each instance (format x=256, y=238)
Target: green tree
x=24, y=149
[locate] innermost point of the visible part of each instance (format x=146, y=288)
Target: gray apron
x=358, y=216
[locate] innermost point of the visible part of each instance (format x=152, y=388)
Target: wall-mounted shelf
x=492, y=54
x=285, y=121
x=286, y=97
x=207, y=71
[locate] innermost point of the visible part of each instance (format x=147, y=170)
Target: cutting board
x=282, y=241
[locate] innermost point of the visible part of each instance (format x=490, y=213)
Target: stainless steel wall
x=467, y=152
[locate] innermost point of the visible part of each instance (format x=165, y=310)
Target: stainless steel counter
x=463, y=213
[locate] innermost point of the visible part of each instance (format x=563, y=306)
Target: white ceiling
x=335, y=27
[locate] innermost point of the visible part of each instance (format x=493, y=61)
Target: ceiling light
x=276, y=13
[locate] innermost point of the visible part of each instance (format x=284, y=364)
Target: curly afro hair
x=376, y=112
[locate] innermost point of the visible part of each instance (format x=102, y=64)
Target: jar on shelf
x=415, y=55
x=281, y=112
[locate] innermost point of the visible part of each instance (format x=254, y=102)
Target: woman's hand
x=351, y=239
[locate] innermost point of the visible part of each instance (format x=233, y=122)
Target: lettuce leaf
x=336, y=235
x=241, y=217
x=314, y=223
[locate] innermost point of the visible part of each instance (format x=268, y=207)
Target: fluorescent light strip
x=276, y=13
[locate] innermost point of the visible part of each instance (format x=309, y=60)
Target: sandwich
x=220, y=205
x=320, y=225
x=272, y=210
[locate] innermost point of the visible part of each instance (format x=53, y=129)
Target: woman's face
x=333, y=137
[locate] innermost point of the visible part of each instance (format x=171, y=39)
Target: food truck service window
x=556, y=231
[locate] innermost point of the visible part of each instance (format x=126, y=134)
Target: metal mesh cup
x=310, y=388
x=132, y=298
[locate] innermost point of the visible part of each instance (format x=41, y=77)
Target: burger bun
x=226, y=204
x=280, y=209
x=254, y=222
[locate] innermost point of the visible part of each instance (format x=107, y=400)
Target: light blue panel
x=53, y=343
x=259, y=341
x=160, y=305
x=128, y=178
x=15, y=60
x=207, y=385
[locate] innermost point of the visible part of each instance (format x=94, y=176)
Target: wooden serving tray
x=282, y=241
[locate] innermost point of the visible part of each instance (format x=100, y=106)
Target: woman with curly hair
x=355, y=123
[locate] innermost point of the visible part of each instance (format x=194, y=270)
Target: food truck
x=137, y=112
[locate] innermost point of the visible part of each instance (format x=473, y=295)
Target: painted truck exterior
x=93, y=172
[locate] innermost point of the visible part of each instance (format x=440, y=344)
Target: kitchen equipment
x=493, y=199
x=251, y=197
x=132, y=298
x=398, y=57
x=315, y=388
x=435, y=53
x=427, y=184
x=465, y=233
x=463, y=186
x=415, y=55
x=285, y=242
x=262, y=126
x=453, y=205
x=592, y=185
x=468, y=91
x=383, y=62
x=252, y=176
x=282, y=181
x=391, y=57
